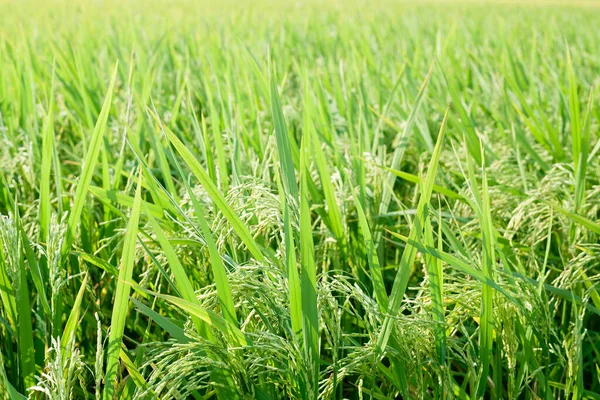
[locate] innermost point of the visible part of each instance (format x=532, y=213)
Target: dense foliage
x=297, y=200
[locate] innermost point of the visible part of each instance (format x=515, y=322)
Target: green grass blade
x=415, y=179
x=181, y=279
x=166, y=324
x=47, y=151
x=218, y=269
x=121, y=300
x=295, y=293
x=582, y=159
x=372, y=258
x=409, y=254
x=216, y=263
x=23, y=312
x=455, y=262
x=71, y=326
x=98, y=262
x=7, y=293
x=292, y=273
x=218, y=139
x=574, y=113
x=308, y=278
x=89, y=163
x=333, y=210
x=466, y=123
x=118, y=198
x=208, y=316
x=283, y=144
x=486, y=327
x=135, y=375
x=214, y=193
x=405, y=137
x=585, y=222
x=436, y=285
x=35, y=269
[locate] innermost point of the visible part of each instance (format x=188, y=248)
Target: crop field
x=299, y=200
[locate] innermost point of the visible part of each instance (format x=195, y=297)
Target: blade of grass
x=436, y=285
x=181, y=279
x=295, y=293
x=456, y=262
x=292, y=272
x=333, y=210
x=283, y=144
x=308, y=278
x=135, y=375
x=574, y=113
x=71, y=326
x=486, y=325
x=98, y=262
x=581, y=160
x=213, y=192
x=372, y=258
x=23, y=312
x=404, y=139
x=35, y=269
x=121, y=300
x=89, y=163
x=415, y=179
x=112, y=196
x=409, y=254
x=47, y=151
x=208, y=316
x=585, y=222
x=166, y=324
x=216, y=263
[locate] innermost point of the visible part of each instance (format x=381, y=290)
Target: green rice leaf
x=88, y=166
x=408, y=256
x=121, y=300
x=214, y=193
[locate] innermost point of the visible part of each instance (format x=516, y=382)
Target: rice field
x=299, y=200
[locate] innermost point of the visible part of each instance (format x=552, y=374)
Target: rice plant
x=299, y=200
